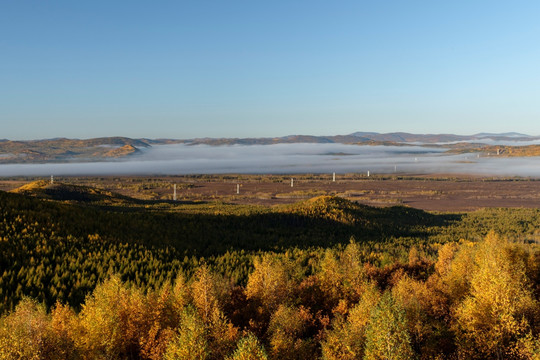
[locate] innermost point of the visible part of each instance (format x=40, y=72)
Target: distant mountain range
x=368, y=137
x=441, y=138
x=109, y=148
x=508, y=134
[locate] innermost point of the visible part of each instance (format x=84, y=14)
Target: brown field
x=434, y=193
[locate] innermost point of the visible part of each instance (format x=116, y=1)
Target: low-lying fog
x=287, y=158
x=485, y=141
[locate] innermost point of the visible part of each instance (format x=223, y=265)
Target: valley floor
x=431, y=193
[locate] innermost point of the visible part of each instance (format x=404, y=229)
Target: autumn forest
x=88, y=274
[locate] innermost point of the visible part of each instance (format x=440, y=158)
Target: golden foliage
x=61, y=334
x=387, y=337
x=23, y=333
x=347, y=338
x=342, y=276
x=424, y=309
x=222, y=335
x=286, y=330
x=249, y=348
x=270, y=282
x=500, y=307
x=190, y=343
x=206, y=290
x=480, y=302
x=163, y=311
x=454, y=269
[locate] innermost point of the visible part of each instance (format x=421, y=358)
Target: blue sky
x=184, y=69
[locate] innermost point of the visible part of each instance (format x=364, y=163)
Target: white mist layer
x=287, y=159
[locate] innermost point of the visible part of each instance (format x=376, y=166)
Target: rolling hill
x=110, y=148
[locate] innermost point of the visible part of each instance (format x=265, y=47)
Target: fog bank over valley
x=287, y=159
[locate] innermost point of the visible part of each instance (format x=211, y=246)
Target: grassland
x=433, y=193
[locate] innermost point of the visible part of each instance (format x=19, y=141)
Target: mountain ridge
x=109, y=148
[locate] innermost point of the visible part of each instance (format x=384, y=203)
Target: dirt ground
x=433, y=193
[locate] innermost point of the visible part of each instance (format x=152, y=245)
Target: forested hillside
x=93, y=275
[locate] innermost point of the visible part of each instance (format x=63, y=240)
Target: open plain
x=432, y=193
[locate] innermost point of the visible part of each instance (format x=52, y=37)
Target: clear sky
x=184, y=69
